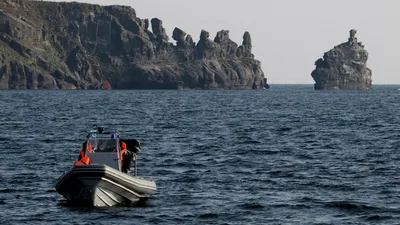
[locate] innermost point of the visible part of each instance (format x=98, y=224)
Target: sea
x=287, y=155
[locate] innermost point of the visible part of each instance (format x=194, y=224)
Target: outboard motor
x=135, y=146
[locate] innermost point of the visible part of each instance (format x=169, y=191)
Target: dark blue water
x=288, y=155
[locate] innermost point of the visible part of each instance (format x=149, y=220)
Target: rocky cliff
x=48, y=45
x=344, y=67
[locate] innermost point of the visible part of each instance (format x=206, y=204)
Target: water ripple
x=288, y=155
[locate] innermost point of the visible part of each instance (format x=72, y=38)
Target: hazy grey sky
x=288, y=35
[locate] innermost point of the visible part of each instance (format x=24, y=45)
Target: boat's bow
x=100, y=185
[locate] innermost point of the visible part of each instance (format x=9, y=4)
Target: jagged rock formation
x=48, y=45
x=344, y=67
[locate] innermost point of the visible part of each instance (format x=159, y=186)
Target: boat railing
x=134, y=159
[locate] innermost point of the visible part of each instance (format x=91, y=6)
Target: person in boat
x=82, y=152
x=83, y=159
x=126, y=157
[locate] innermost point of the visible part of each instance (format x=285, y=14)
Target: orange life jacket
x=84, y=161
x=123, y=151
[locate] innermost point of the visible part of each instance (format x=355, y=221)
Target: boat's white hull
x=103, y=186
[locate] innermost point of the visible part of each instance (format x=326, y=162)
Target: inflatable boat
x=102, y=177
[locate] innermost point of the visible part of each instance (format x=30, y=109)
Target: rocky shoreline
x=49, y=45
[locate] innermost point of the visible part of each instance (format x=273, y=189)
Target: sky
x=288, y=36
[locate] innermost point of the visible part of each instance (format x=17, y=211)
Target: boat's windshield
x=106, y=145
x=101, y=143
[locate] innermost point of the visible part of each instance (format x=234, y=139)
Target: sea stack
x=344, y=67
